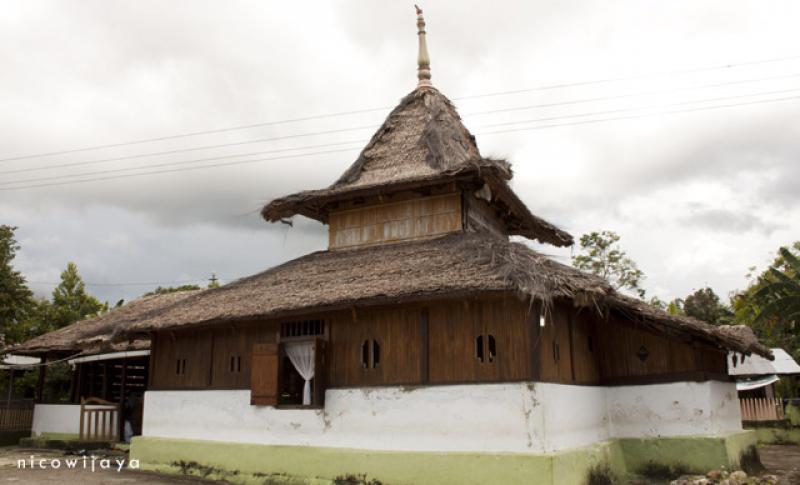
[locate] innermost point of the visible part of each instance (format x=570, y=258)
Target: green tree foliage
x=705, y=305
x=769, y=306
x=71, y=302
x=162, y=290
x=16, y=299
x=675, y=307
x=601, y=254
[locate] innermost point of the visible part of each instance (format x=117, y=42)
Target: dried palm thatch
x=421, y=143
x=93, y=335
x=445, y=267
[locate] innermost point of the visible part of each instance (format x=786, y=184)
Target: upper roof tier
x=422, y=143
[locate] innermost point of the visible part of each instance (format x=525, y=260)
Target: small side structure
x=423, y=346
x=108, y=380
x=756, y=378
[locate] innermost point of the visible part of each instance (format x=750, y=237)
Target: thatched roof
x=421, y=143
x=446, y=267
x=93, y=335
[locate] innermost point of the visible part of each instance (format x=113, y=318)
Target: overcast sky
x=699, y=192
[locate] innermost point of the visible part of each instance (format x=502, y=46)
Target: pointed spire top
x=423, y=60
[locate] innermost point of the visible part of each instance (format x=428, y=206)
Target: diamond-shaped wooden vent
x=643, y=353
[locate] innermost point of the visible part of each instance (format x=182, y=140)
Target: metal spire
x=423, y=60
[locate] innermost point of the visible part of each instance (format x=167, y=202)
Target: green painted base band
x=778, y=436
x=56, y=436
x=248, y=463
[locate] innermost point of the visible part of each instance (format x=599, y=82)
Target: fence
x=16, y=415
x=99, y=420
x=761, y=409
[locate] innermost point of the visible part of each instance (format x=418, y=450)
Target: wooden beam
x=534, y=344
x=40, y=381
x=570, y=324
x=424, y=346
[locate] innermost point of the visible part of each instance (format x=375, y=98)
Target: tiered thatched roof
x=446, y=267
x=93, y=335
x=422, y=143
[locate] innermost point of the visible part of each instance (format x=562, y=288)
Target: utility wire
x=492, y=111
x=184, y=169
x=367, y=110
x=190, y=149
x=183, y=162
x=9, y=185
x=583, y=122
x=629, y=95
x=602, y=120
x=182, y=282
x=657, y=106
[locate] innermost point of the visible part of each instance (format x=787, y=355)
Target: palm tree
x=781, y=291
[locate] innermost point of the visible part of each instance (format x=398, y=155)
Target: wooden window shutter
x=265, y=369
x=320, y=372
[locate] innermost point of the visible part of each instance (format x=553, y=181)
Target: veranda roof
x=783, y=364
x=449, y=266
x=92, y=335
x=421, y=143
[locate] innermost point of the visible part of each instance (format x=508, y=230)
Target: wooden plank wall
x=395, y=221
x=398, y=334
x=453, y=329
x=435, y=342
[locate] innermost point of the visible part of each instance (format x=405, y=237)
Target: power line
x=183, y=162
x=262, y=140
x=624, y=110
x=630, y=95
x=583, y=122
x=149, y=283
x=630, y=78
x=366, y=110
x=602, y=120
x=535, y=120
x=190, y=149
x=184, y=169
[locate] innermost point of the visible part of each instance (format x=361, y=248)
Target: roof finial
x=423, y=60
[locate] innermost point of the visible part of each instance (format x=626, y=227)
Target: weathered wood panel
x=584, y=348
x=395, y=221
x=480, y=217
x=453, y=341
x=233, y=345
x=264, y=382
x=397, y=333
x=182, y=360
x=556, y=364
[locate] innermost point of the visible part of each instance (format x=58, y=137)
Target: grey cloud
x=724, y=220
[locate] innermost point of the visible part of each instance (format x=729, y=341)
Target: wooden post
x=121, y=415
x=571, y=324
x=424, y=346
x=40, y=382
x=534, y=344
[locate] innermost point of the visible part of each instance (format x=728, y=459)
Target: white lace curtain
x=302, y=356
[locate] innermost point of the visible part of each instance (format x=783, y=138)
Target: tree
x=769, y=306
x=780, y=289
x=601, y=254
x=70, y=301
x=15, y=296
x=163, y=290
x=705, y=305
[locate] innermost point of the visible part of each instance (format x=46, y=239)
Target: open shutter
x=320, y=372
x=264, y=374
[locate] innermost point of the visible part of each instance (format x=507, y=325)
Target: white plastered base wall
x=514, y=417
x=56, y=418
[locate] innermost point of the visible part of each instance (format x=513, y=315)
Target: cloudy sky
x=671, y=123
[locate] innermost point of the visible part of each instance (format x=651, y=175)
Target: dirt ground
x=783, y=461
x=10, y=472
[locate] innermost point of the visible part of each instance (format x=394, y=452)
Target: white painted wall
x=518, y=417
x=56, y=418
